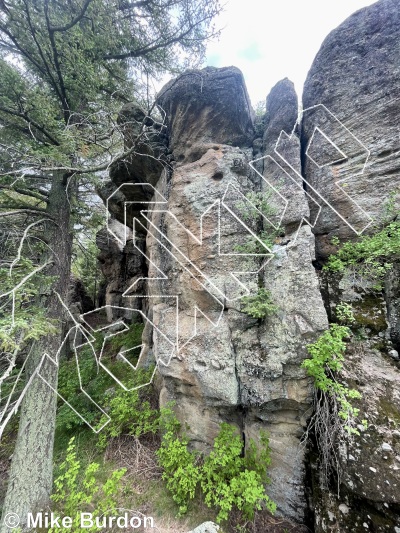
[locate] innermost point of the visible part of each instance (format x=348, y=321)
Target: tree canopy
x=66, y=67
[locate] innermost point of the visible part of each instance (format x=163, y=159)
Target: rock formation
x=329, y=175
x=352, y=96
x=355, y=77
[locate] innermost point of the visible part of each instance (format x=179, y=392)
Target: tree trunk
x=31, y=473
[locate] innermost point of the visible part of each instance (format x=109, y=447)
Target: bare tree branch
x=34, y=211
x=29, y=120
x=26, y=192
x=151, y=47
x=73, y=21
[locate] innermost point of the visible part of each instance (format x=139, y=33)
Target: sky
x=271, y=40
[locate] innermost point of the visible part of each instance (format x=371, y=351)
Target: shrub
x=334, y=416
x=344, y=314
x=22, y=320
x=70, y=385
x=371, y=256
x=130, y=411
x=129, y=338
x=259, y=305
x=261, y=202
x=226, y=478
x=230, y=479
x=179, y=464
x=100, y=385
x=77, y=491
x=327, y=357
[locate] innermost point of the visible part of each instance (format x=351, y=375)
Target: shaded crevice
x=303, y=156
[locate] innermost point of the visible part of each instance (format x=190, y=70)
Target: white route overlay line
x=172, y=345
x=301, y=179
x=175, y=347
x=299, y=185
x=158, y=202
x=344, y=156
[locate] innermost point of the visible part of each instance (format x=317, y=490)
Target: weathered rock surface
x=369, y=464
x=79, y=301
x=273, y=386
x=392, y=291
x=352, y=110
x=281, y=158
x=337, y=170
x=148, y=138
x=241, y=371
x=207, y=527
x=209, y=105
x=355, y=77
x=122, y=267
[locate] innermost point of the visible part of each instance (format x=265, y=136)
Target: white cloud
x=271, y=40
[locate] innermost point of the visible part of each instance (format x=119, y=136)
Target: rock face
x=352, y=96
x=274, y=387
x=328, y=175
x=350, y=152
x=236, y=368
x=392, y=291
x=217, y=100
x=122, y=267
x=281, y=158
x=148, y=137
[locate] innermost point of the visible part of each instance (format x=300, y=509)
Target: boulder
x=350, y=139
x=206, y=106
x=206, y=527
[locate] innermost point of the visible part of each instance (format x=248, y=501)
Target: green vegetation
x=21, y=317
x=180, y=469
x=252, y=216
x=77, y=491
x=259, y=305
x=260, y=116
x=85, y=265
x=327, y=357
x=22, y=321
x=130, y=411
x=122, y=406
x=371, y=257
x=344, y=314
x=334, y=416
x=227, y=478
x=233, y=479
x=261, y=202
x=126, y=339
x=66, y=70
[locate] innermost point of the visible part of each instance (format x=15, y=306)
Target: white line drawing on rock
x=300, y=180
x=82, y=331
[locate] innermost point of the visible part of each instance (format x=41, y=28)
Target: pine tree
x=66, y=67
